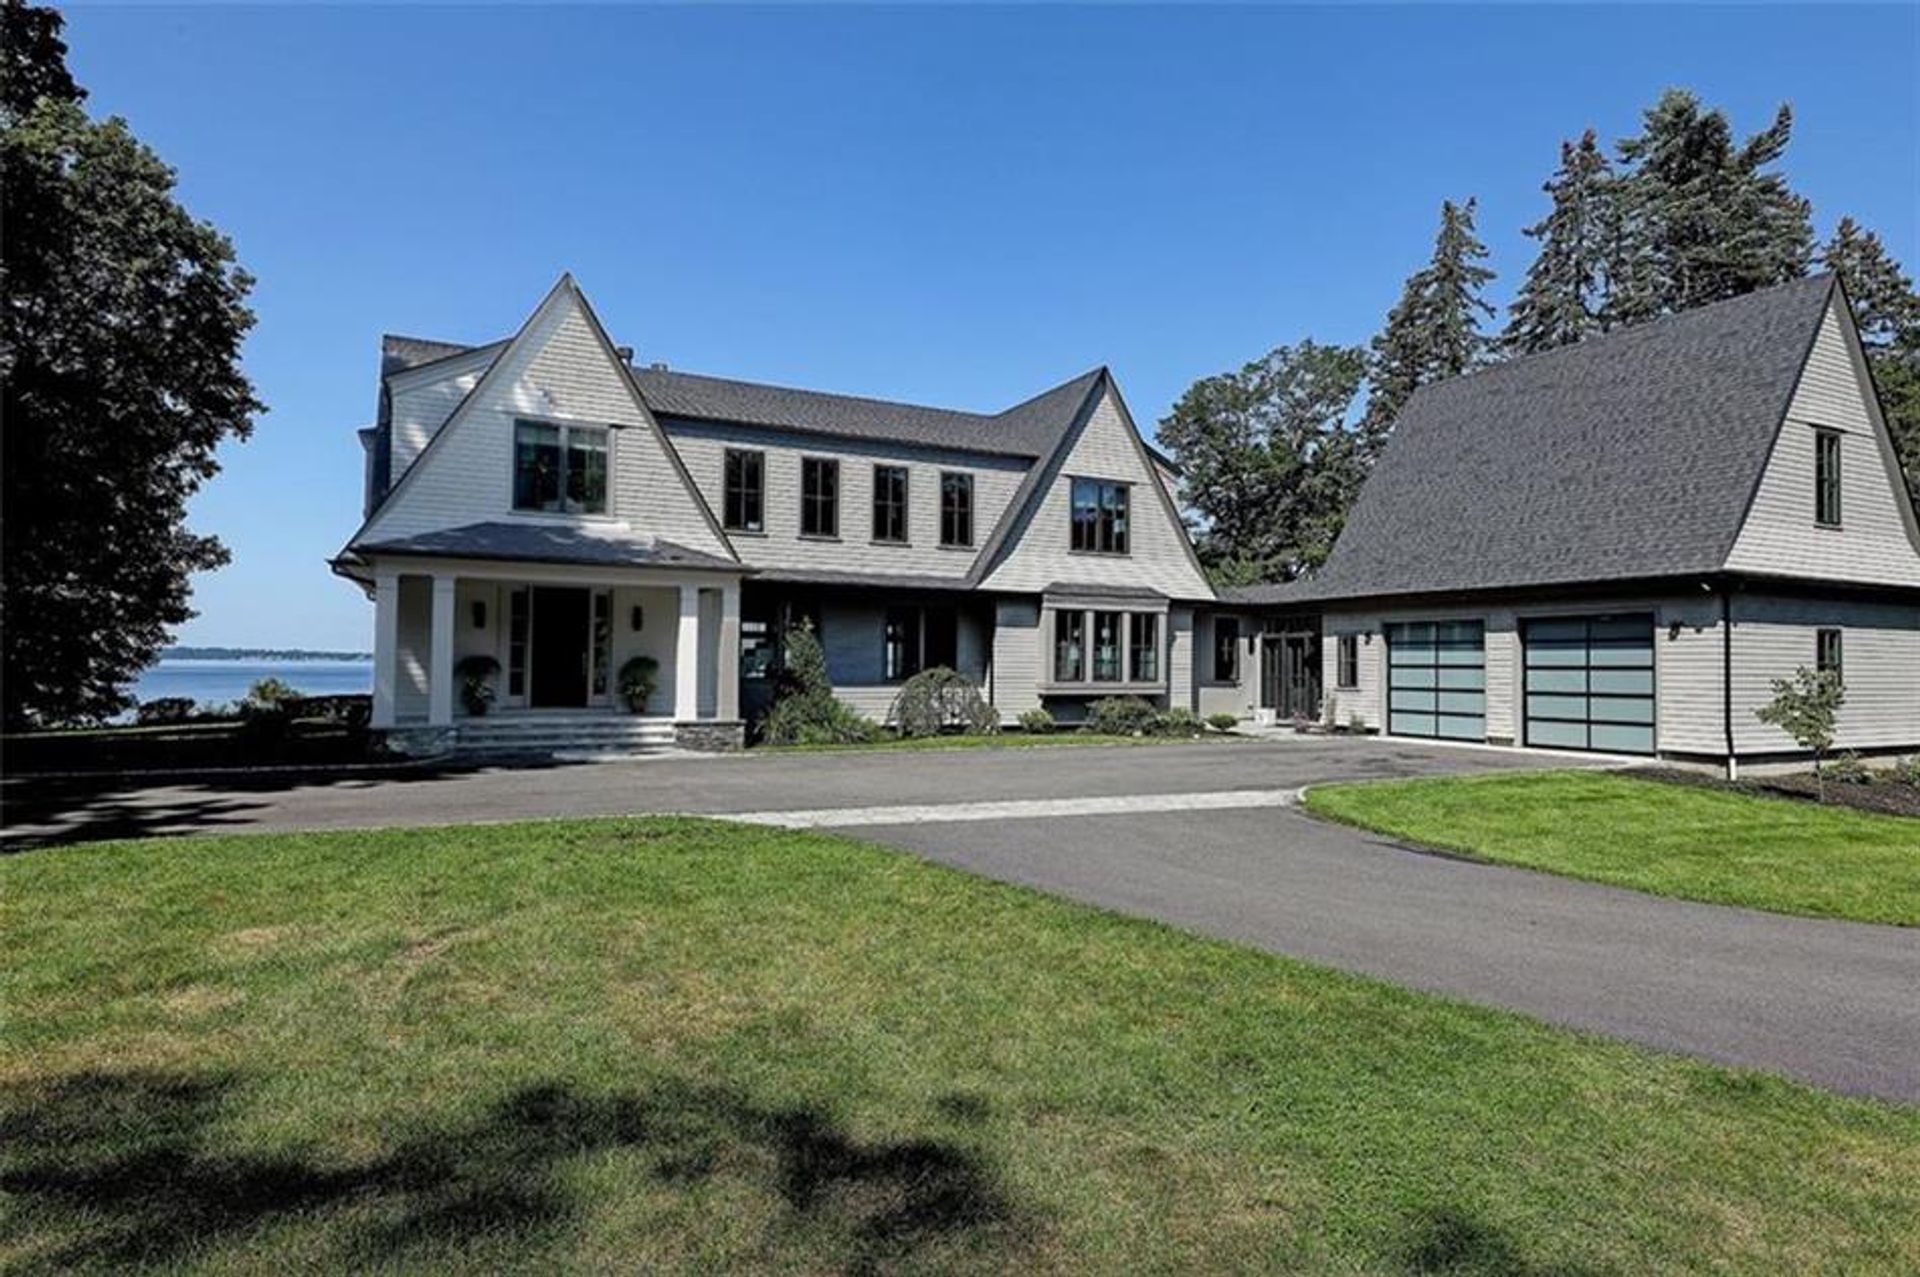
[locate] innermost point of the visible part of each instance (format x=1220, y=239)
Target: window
x=517, y=643
x=1226, y=649
x=1826, y=478
x=900, y=648
x=743, y=504
x=562, y=469
x=1349, y=659
x=1143, y=644
x=1069, y=646
x=890, y=504
x=956, y=509
x=1099, y=516
x=602, y=641
x=819, y=497
x=1106, y=647
x=940, y=637
x=1826, y=651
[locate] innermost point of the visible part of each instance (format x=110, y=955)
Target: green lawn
x=1673, y=840
x=625, y=1045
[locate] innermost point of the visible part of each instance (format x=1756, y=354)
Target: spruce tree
x=1886, y=310
x=1700, y=219
x=1564, y=298
x=1433, y=331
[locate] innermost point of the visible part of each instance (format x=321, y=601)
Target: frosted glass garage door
x=1589, y=683
x=1437, y=679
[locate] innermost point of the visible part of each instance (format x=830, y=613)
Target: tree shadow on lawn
x=131, y=1167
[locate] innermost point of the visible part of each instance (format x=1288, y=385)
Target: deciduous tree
x=120, y=339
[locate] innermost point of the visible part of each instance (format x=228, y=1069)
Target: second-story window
x=559, y=469
x=745, y=498
x=1099, y=516
x=956, y=508
x=1826, y=478
x=819, y=497
x=890, y=503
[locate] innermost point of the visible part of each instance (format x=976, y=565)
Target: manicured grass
x=634, y=1045
x=1673, y=840
x=996, y=740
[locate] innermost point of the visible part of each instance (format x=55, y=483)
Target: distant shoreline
x=185, y=653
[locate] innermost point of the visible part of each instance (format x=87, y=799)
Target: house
x=544, y=501
x=1618, y=545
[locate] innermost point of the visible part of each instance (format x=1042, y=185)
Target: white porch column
x=386, y=646
x=686, y=656
x=440, y=662
x=728, y=707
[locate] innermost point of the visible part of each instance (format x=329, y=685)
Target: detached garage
x=1589, y=683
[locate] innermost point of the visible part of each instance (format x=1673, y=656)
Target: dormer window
x=559, y=469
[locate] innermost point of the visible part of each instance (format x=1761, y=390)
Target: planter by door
x=561, y=636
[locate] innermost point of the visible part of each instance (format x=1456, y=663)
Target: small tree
x=805, y=711
x=939, y=698
x=1804, y=707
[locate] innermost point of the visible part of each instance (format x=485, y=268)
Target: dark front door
x=558, y=660
x=1300, y=675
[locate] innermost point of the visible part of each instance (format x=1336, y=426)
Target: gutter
x=1726, y=677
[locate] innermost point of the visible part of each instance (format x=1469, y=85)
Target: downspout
x=1726, y=678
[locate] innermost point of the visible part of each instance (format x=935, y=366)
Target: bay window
x=1069, y=646
x=1143, y=645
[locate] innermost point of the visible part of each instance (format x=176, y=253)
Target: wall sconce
x=639, y=618
x=1673, y=631
x=479, y=614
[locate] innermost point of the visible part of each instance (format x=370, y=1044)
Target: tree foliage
x=1433, y=331
x=120, y=339
x=1699, y=218
x=1805, y=707
x=1886, y=310
x=1564, y=297
x=805, y=710
x=1269, y=461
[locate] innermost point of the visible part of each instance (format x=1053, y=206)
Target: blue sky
x=959, y=207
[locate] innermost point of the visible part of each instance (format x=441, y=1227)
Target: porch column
x=386, y=646
x=728, y=706
x=686, y=656
x=440, y=662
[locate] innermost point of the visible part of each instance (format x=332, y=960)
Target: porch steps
x=563, y=736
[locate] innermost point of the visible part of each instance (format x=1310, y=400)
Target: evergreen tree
x=1564, y=297
x=1701, y=220
x=1433, y=331
x=1886, y=310
x=1269, y=462
x=120, y=334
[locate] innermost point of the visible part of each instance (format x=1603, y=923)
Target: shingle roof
x=397, y=353
x=1628, y=456
x=1025, y=430
x=538, y=543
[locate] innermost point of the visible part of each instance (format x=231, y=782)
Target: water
x=226, y=681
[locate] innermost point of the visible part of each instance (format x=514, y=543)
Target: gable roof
x=1631, y=455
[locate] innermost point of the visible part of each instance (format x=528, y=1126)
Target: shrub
x=1907, y=771
x=639, y=676
x=1120, y=716
x=1847, y=769
x=1178, y=721
x=1037, y=721
x=351, y=709
x=805, y=710
x=475, y=672
x=267, y=694
x=167, y=709
x=937, y=699
x=1223, y=721
x=1804, y=708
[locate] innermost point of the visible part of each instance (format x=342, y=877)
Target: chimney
x=625, y=353
x=658, y=365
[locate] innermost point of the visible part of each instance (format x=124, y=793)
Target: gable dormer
x=1100, y=515
x=1831, y=502
x=545, y=429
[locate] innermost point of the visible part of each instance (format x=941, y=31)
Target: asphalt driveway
x=1198, y=836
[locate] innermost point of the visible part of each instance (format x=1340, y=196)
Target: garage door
x=1590, y=683
x=1437, y=679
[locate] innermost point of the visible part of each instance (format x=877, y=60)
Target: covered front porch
x=558, y=636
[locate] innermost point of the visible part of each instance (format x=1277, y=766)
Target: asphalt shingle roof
x=539, y=543
x=1628, y=456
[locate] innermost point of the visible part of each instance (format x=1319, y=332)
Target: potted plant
x=638, y=677
x=476, y=673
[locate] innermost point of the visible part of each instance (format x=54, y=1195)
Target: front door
x=558, y=656
x=1300, y=675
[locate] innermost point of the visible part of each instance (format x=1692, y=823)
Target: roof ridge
x=1031, y=400
x=820, y=394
